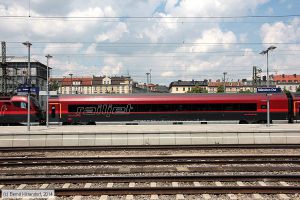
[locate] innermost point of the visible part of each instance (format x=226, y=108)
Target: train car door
x=3, y=109
x=297, y=110
x=54, y=112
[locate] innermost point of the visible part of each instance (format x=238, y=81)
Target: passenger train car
x=243, y=108
x=13, y=110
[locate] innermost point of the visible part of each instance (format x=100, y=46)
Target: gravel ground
x=228, y=183
x=293, y=183
x=254, y=183
x=164, y=184
x=55, y=185
x=33, y=186
x=147, y=184
x=148, y=168
x=10, y=187
x=98, y=185
x=185, y=184
x=79, y=185
x=187, y=197
x=152, y=152
x=120, y=185
x=117, y=198
x=142, y=184
x=294, y=196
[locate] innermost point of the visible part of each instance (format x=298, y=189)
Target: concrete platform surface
x=114, y=135
x=154, y=129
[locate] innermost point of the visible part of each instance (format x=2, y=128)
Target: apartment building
x=93, y=85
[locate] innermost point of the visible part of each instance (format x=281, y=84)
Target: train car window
x=263, y=107
x=20, y=104
x=248, y=106
x=228, y=107
x=53, y=112
x=167, y=107
x=23, y=105
x=17, y=104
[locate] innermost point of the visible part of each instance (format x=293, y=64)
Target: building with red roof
x=287, y=82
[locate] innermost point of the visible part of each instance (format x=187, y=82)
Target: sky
x=172, y=39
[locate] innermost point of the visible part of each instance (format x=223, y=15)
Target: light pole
x=71, y=83
x=268, y=81
x=147, y=81
x=267, y=52
x=150, y=76
x=224, y=73
x=48, y=56
x=28, y=44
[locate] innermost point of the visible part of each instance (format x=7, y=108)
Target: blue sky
x=173, y=42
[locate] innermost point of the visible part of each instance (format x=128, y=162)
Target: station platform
x=114, y=135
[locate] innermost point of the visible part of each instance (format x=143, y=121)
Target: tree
x=220, y=89
x=197, y=89
x=286, y=91
x=54, y=85
x=245, y=92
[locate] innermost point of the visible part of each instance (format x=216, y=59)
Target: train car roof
x=14, y=98
x=167, y=97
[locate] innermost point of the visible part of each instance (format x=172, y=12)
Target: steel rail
x=169, y=178
x=151, y=147
x=178, y=190
x=150, y=160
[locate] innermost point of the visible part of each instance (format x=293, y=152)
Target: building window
x=183, y=89
x=177, y=89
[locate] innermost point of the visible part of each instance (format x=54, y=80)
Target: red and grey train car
x=245, y=108
x=13, y=110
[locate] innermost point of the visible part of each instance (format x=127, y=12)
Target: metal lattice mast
x=4, y=72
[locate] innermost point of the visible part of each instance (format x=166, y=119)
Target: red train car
x=13, y=110
x=245, y=108
x=294, y=106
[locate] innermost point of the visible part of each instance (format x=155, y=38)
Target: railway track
x=164, y=185
x=169, y=178
x=179, y=190
x=149, y=160
x=184, y=174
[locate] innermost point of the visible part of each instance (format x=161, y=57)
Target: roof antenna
x=29, y=8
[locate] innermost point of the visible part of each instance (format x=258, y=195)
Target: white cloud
x=91, y=49
x=62, y=48
x=211, y=7
x=111, y=70
x=173, y=57
x=161, y=28
x=168, y=74
x=214, y=35
x=111, y=66
x=113, y=34
x=280, y=32
x=284, y=59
